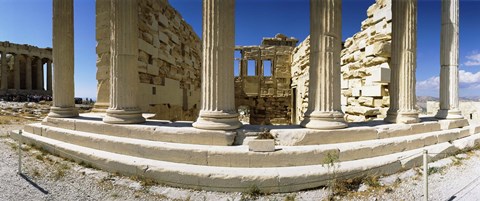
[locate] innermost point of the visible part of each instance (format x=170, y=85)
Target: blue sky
x=30, y=22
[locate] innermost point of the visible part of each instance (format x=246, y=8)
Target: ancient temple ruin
x=263, y=83
x=23, y=68
x=216, y=151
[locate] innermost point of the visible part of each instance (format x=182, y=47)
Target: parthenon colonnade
x=218, y=111
x=19, y=75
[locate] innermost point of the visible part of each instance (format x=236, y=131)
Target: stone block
x=362, y=110
x=366, y=101
x=152, y=69
x=344, y=83
x=378, y=75
x=373, y=91
x=474, y=129
x=262, y=145
x=356, y=92
x=148, y=48
x=450, y=124
x=162, y=20
x=343, y=100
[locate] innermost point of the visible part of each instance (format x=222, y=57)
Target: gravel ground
x=47, y=177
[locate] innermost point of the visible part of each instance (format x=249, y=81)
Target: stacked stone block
x=365, y=66
x=169, y=61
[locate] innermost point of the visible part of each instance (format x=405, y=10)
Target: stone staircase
x=177, y=154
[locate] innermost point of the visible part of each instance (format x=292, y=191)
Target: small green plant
x=36, y=173
x=254, y=191
x=335, y=188
x=372, y=181
x=265, y=134
x=290, y=197
x=39, y=157
x=433, y=170
x=59, y=173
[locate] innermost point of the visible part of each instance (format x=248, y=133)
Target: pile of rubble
x=365, y=66
x=26, y=110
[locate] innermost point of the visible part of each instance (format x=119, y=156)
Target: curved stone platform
x=179, y=155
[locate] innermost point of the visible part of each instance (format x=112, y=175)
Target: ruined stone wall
x=365, y=68
x=266, y=94
x=169, y=61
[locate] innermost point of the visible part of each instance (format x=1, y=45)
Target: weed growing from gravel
x=290, y=197
x=39, y=157
x=372, y=181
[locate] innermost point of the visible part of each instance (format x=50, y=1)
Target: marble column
x=39, y=74
x=403, y=63
x=16, y=70
x=324, y=108
x=217, y=110
x=124, y=72
x=449, y=62
x=63, y=88
x=49, y=75
x=4, y=81
x=28, y=72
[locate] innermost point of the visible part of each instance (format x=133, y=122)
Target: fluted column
x=449, y=62
x=324, y=110
x=39, y=74
x=49, y=75
x=16, y=70
x=4, y=82
x=63, y=88
x=217, y=110
x=28, y=72
x=124, y=72
x=403, y=63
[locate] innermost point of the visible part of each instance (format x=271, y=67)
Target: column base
x=402, y=117
x=63, y=112
x=408, y=117
x=217, y=121
x=391, y=117
x=123, y=117
x=449, y=114
x=324, y=120
x=100, y=107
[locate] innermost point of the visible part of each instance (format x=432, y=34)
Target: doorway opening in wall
x=294, y=106
x=236, y=68
x=154, y=90
x=237, y=62
x=251, y=68
x=267, y=68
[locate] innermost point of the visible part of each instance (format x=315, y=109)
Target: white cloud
x=430, y=83
x=473, y=59
x=468, y=77
x=467, y=80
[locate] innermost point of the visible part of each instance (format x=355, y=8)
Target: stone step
x=269, y=180
x=155, y=130
x=240, y=156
